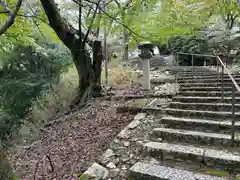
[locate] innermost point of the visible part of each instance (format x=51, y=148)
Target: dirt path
x=72, y=144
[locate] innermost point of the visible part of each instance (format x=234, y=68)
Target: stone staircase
x=192, y=141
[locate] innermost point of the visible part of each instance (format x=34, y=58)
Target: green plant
x=188, y=45
x=26, y=71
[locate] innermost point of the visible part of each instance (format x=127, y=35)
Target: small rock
x=140, y=143
x=116, y=160
x=114, y=172
x=140, y=116
x=117, y=141
x=124, y=134
x=126, y=143
x=125, y=158
x=131, y=156
x=134, y=139
x=132, y=162
x=134, y=124
x=111, y=165
x=124, y=168
x=153, y=161
x=97, y=171
x=146, y=139
x=106, y=157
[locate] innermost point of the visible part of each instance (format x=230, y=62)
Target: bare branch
x=90, y=26
x=125, y=26
x=117, y=21
x=12, y=17
x=36, y=23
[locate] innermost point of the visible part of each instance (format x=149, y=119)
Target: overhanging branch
x=12, y=16
x=90, y=26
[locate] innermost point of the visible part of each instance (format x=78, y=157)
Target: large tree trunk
x=82, y=61
x=89, y=73
x=97, y=68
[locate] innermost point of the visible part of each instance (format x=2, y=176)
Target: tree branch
x=90, y=26
x=12, y=17
x=36, y=23
x=122, y=24
x=117, y=21
x=80, y=25
x=58, y=24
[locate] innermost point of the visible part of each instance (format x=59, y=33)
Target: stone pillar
x=145, y=58
x=146, y=74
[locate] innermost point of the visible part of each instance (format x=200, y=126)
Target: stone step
x=221, y=159
x=206, y=84
x=143, y=171
x=205, y=99
x=208, y=106
x=194, y=137
x=207, y=93
x=204, y=125
x=187, y=68
x=207, y=80
x=199, y=113
x=210, y=88
x=206, y=76
x=190, y=74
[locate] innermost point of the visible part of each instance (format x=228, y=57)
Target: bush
x=163, y=49
x=188, y=45
x=26, y=71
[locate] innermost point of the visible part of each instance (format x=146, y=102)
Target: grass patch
x=214, y=172
x=140, y=102
x=119, y=77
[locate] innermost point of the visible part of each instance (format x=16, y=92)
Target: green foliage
x=163, y=48
x=84, y=177
x=188, y=45
x=228, y=10
x=25, y=72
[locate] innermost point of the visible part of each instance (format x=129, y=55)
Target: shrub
x=188, y=45
x=25, y=72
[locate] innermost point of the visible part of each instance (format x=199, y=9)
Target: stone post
x=146, y=56
x=146, y=74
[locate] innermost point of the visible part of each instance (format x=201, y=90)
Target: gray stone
x=134, y=139
x=125, y=158
x=194, y=136
x=133, y=124
x=153, y=161
x=140, y=143
x=124, y=134
x=97, y=171
x=140, y=116
x=126, y=143
x=114, y=172
x=111, y=165
x=142, y=171
x=124, y=168
x=117, y=141
x=106, y=157
x=220, y=156
x=116, y=160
